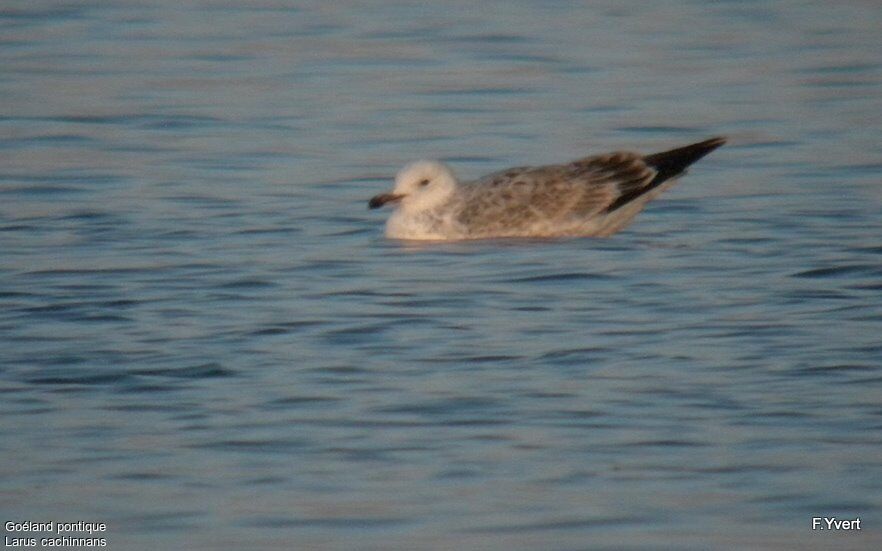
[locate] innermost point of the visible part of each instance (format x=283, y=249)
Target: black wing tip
x=710, y=145
x=687, y=154
x=668, y=165
x=715, y=142
x=672, y=163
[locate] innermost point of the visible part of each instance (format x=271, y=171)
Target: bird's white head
x=419, y=186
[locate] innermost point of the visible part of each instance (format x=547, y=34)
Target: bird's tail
x=669, y=164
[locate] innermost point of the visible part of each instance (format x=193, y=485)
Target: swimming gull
x=592, y=197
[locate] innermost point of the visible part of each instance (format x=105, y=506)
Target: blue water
x=207, y=343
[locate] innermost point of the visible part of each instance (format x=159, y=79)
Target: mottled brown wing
x=515, y=200
x=625, y=172
x=522, y=197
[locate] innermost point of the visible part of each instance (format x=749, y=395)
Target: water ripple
x=208, y=343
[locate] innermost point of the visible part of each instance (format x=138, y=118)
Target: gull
x=594, y=196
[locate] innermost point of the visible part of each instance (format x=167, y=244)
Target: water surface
x=207, y=342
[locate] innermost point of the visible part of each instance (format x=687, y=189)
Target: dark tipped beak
x=378, y=201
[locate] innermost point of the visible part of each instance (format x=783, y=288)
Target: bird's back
x=549, y=200
x=594, y=195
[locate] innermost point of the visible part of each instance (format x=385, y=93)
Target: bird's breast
x=420, y=225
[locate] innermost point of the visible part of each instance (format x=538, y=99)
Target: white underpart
x=407, y=225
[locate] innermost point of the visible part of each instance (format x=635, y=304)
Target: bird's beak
x=378, y=201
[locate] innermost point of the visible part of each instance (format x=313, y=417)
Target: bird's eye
x=424, y=183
